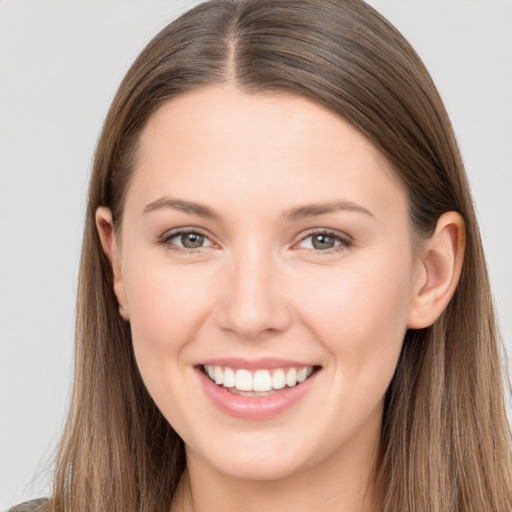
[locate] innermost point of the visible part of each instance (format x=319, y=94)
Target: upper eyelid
x=167, y=236
x=325, y=231
x=179, y=231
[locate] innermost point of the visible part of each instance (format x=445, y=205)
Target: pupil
x=192, y=240
x=323, y=242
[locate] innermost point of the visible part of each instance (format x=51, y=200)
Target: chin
x=259, y=469
x=258, y=457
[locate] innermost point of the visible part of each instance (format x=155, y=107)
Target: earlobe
x=105, y=227
x=441, y=266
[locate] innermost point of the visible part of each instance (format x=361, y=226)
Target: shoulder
x=29, y=506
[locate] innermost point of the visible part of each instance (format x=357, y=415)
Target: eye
x=325, y=241
x=186, y=240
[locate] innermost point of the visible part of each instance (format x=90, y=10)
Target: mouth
x=257, y=389
x=259, y=382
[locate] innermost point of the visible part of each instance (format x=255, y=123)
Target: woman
x=283, y=297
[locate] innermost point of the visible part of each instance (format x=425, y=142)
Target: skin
x=258, y=287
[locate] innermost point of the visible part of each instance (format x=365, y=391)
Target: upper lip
x=267, y=363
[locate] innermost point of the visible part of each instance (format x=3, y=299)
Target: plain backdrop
x=60, y=64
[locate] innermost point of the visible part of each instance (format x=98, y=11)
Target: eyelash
x=344, y=242
x=166, y=240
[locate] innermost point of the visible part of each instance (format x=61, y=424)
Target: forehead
x=280, y=121
x=230, y=147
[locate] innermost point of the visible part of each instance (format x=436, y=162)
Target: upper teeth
x=260, y=380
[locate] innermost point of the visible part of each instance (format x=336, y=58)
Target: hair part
x=445, y=443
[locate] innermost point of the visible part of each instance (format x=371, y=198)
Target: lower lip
x=254, y=407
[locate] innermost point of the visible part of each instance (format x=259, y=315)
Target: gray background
x=60, y=63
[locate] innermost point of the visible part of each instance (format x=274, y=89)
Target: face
x=264, y=240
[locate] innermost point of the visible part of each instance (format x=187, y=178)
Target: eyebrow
x=297, y=213
x=183, y=206
x=311, y=210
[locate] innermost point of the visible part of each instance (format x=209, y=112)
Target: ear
x=105, y=228
x=440, y=268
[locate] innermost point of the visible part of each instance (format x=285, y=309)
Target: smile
x=256, y=383
x=256, y=390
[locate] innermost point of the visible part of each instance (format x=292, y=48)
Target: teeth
x=302, y=375
x=279, y=379
x=261, y=381
x=291, y=377
x=243, y=380
x=229, y=378
x=218, y=375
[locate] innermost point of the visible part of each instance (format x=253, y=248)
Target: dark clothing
x=30, y=506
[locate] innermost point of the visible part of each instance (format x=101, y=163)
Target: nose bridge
x=252, y=302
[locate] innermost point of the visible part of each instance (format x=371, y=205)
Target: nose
x=253, y=302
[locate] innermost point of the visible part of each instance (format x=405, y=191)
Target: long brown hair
x=445, y=443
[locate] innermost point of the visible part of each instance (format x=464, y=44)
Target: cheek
x=360, y=317
x=167, y=307
x=165, y=302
